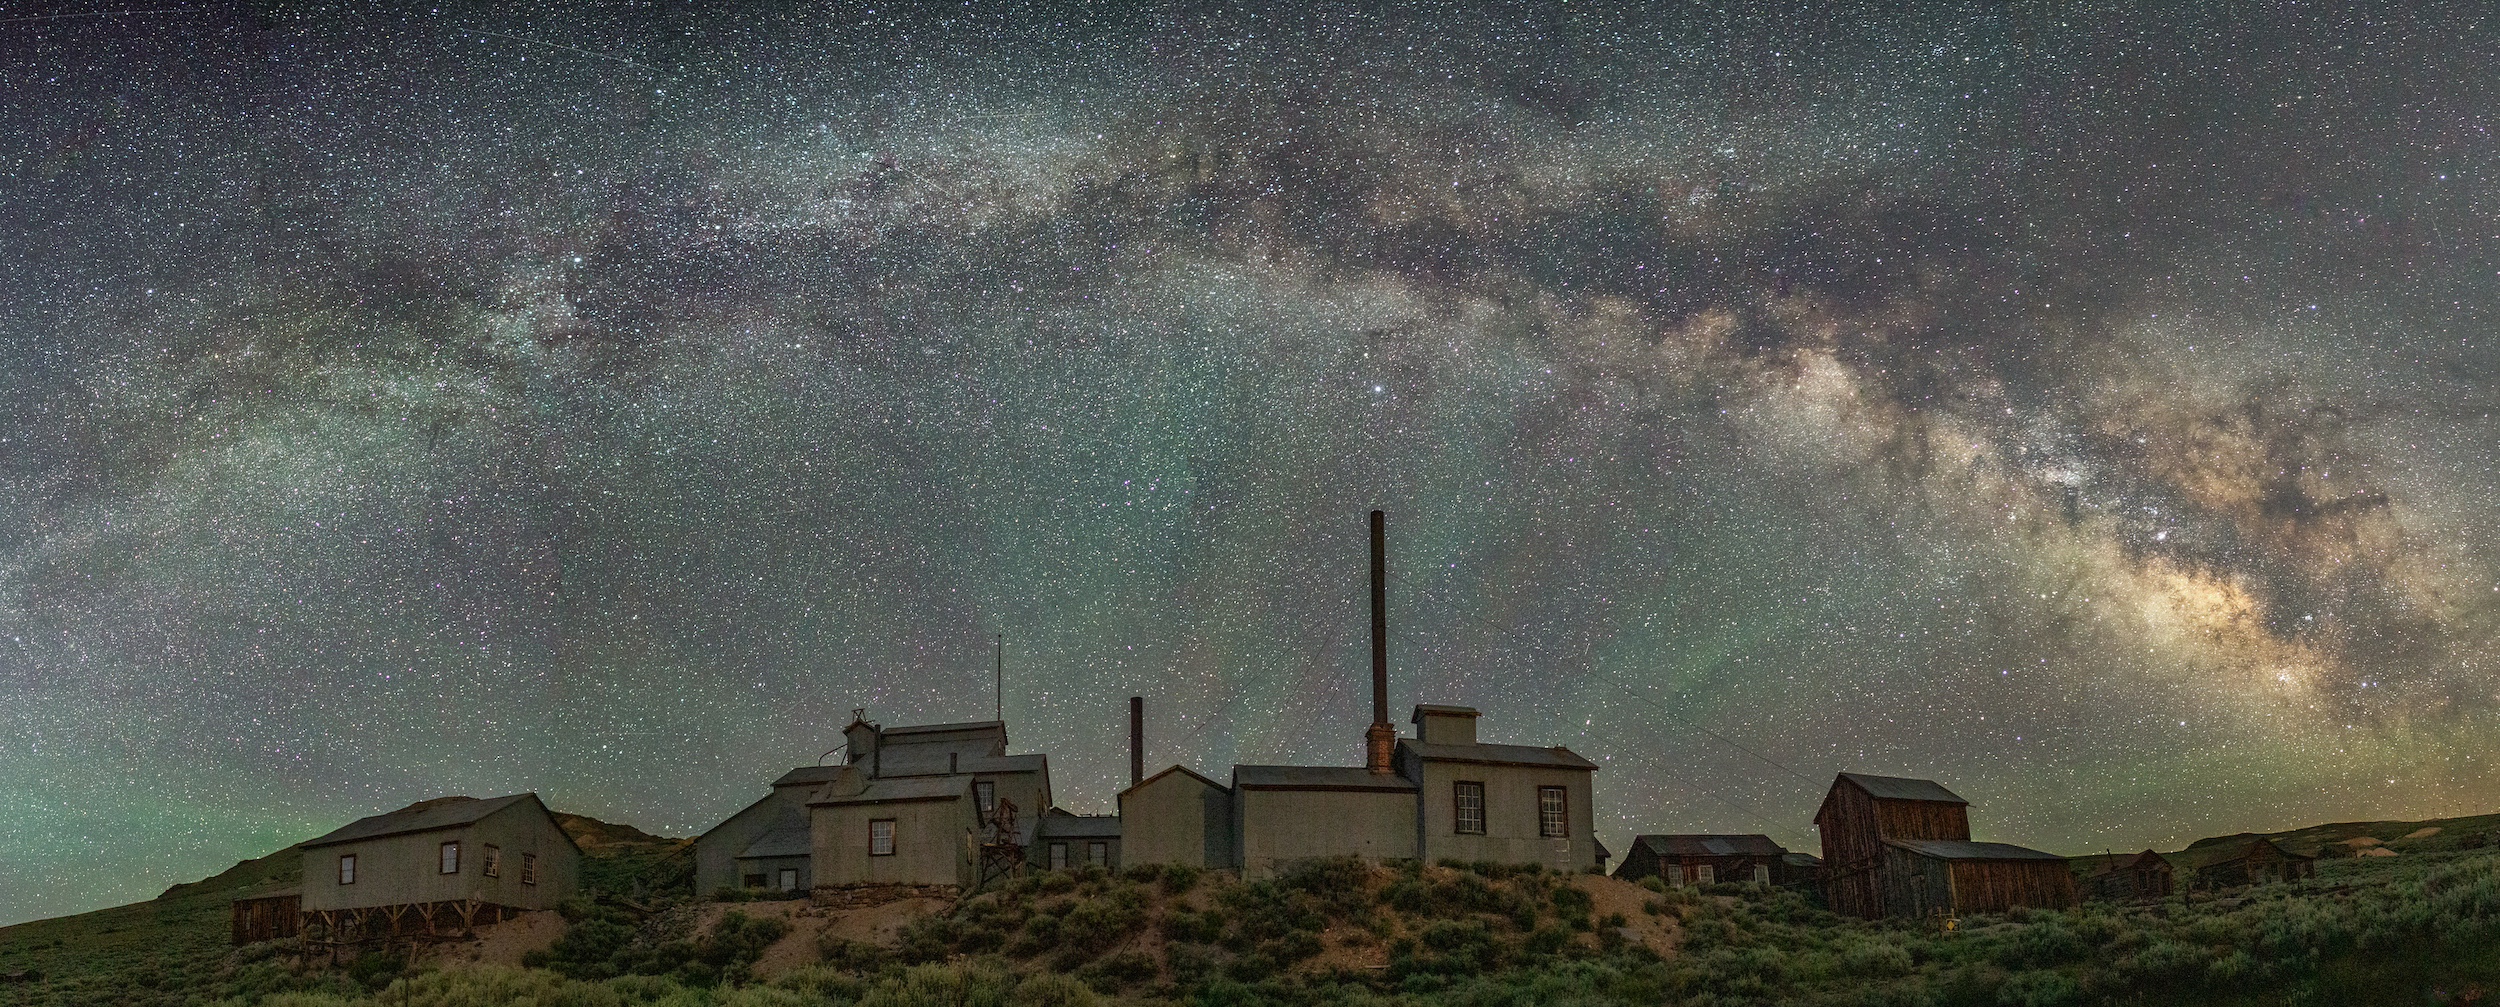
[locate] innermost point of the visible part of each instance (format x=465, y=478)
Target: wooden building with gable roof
x=1894, y=846
x=436, y=867
x=1707, y=859
x=2126, y=877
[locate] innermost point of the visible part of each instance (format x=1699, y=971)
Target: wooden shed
x=2138, y=877
x=1954, y=877
x=2258, y=861
x=267, y=917
x=1703, y=859
x=1861, y=813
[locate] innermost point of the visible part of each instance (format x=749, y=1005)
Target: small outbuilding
x=2255, y=861
x=2132, y=877
x=1065, y=840
x=1704, y=859
x=1177, y=817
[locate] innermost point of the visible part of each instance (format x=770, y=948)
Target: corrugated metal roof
x=808, y=774
x=1500, y=755
x=788, y=838
x=423, y=818
x=1317, y=778
x=999, y=726
x=1899, y=788
x=1063, y=826
x=934, y=762
x=1962, y=849
x=918, y=788
x=1711, y=846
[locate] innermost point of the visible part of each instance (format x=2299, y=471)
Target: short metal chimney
x=1380, y=743
x=1136, y=739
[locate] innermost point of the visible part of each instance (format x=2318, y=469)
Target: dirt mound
x=504, y=943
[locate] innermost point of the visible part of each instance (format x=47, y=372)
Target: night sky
x=2089, y=407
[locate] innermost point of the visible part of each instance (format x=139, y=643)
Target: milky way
x=2091, y=408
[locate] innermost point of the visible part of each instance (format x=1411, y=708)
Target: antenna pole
x=998, y=677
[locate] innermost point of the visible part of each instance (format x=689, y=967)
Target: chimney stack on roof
x=1136, y=739
x=1380, y=743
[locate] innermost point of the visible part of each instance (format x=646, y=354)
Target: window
x=1706, y=875
x=347, y=869
x=493, y=867
x=1058, y=856
x=881, y=837
x=752, y=880
x=451, y=857
x=985, y=794
x=1098, y=854
x=1762, y=874
x=529, y=868
x=1469, y=800
x=789, y=879
x=1553, y=819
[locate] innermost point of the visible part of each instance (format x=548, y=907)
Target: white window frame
x=492, y=866
x=788, y=879
x=529, y=868
x=447, y=857
x=1705, y=874
x=1058, y=856
x=1762, y=873
x=1467, y=808
x=1553, y=812
x=985, y=794
x=347, y=868
x=884, y=837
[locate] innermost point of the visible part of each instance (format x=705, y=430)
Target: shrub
x=848, y=955
x=1115, y=972
x=1179, y=878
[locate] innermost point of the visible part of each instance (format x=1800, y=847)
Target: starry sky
x=2088, y=406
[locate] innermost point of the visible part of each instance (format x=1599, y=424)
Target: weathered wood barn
x=1706, y=859
x=1901, y=847
x=2246, y=860
x=437, y=867
x=2125, y=877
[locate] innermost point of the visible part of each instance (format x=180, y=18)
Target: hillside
x=2419, y=926
x=165, y=949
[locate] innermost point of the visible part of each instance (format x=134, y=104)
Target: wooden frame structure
x=415, y=922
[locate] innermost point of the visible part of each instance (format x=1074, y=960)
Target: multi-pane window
x=451, y=857
x=1762, y=874
x=1706, y=874
x=1058, y=856
x=1098, y=854
x=789, y=879
x=1553, y=812
x=752, y=880
x=881, y=837
x=529, y=868
x=347, y=869
x=493, y=867
x=1469, y=800
x=985, y=794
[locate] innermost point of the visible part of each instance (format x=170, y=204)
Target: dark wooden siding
x=1905, y=884
x=1854, y=826
x=266, y=919
x=1990, y=886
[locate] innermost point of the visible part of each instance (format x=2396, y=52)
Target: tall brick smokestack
x=1136, y=739
x=1380, y=743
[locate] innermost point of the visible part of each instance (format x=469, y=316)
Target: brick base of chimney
x=1380, y=746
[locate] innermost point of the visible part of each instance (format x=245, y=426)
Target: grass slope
x=2419, y=927
x=174, y=948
